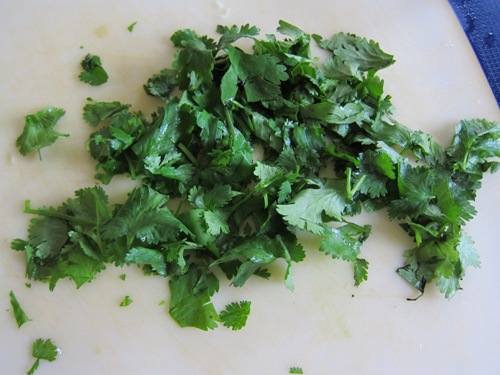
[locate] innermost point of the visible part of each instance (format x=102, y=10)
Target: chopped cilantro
x=43, y=349
x=93, y=72
x=38, y=131
x=235, y=315
x=18, y=311
x=360, y=271
x=232, y=168
x=190, y=301
x=131, y=26
x=126, y=301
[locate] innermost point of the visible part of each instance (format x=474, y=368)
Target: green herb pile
x=246, y=151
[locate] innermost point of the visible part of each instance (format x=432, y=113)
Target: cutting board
x=325, y=326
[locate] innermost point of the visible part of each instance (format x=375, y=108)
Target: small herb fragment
x=235, y=315
x=43, y=349
x=126, y=301
x=295, y=370
x=93, y=71
x=131, y=26
x=18, y=311
x=38, y=131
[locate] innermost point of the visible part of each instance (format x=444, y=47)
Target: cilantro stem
x=239, y=203
x=188, y=153
x=239, y=105
x=350, y=191
x=133, y=175
x=230, y=125
x=405, y=149
x=463, y=163
x=55, y=214
x=179, y=207
x=358, y=184
x=246, y=127
x=348, y=184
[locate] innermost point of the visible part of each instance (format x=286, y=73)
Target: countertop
x=325, y=326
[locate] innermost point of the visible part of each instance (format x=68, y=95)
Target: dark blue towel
x=480, y=20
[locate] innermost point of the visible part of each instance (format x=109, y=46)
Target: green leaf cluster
x=248, y=149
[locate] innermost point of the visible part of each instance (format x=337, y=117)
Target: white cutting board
x=326, y=326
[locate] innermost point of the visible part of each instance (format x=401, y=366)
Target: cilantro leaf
x=295, y=370
x=378, y=170
x=218, y=196
x=449, y=284
x=209, y=204
x=443, y=259
x=65, y=241
x=232, y=34
x=96, y=112
x=290, y=30
x=345, y=241
x=360, y=271
x=38, y=131
x=18, y=311
x=474, y=142
x=112, y=145
x=307, y=207
x=416, y=188
x=253, y=254
x=43, y=350
x=47, y=236
x=145, y=217
x=78, y=266
x=467, y=253
x=190, y=303
x=256, y=252
x=167, y=167
x=353, y=55
x=235, y=315
x=162, y=83
x=195, y=59
x=229, y=85
x=334, y=113
x=426, y=148
x=190, y=38
x=151, y=257
x=260, y=74
x=93, y=72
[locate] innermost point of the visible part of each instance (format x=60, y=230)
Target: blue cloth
x=480, y=20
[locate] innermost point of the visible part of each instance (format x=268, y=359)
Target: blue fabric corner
x=480, y=20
